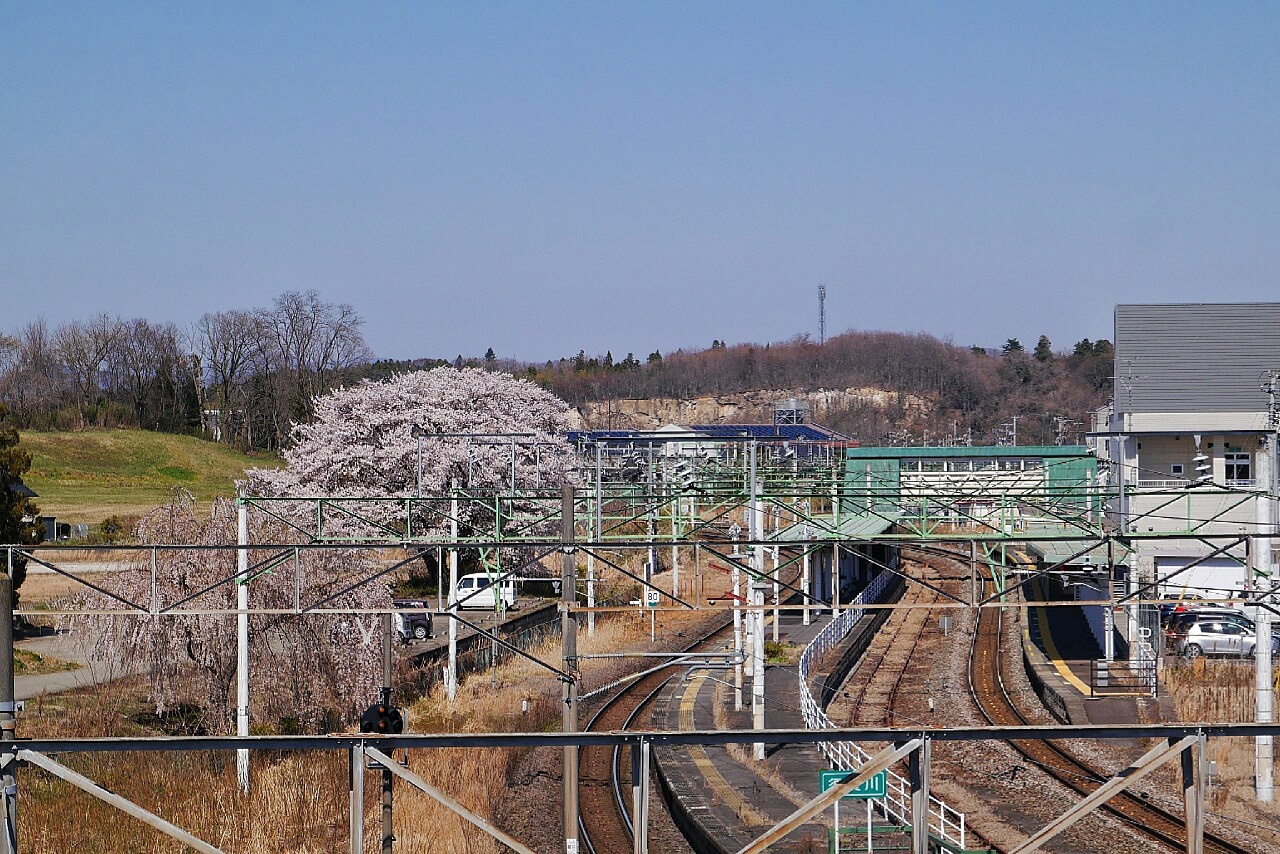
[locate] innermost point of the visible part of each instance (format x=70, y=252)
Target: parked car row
x=476, y=590
x=1213, y=631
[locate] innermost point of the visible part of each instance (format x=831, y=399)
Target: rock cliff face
x=751, y=407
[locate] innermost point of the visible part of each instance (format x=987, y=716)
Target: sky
x=543, y=178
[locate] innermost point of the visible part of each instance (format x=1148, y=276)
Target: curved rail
x=987, y=687
x=649, y=686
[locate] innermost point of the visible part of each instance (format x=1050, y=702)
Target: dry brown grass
x=1223, y=692
x=43, y=588
x=298, y=801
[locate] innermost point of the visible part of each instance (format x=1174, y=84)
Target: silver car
x=1220, y=637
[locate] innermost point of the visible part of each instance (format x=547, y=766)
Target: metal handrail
x=948, y=823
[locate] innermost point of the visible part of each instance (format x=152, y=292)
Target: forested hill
x=900, y=387
x=935, y=390
x=244, y=376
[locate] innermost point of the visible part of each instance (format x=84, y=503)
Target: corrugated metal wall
x=1197, y=357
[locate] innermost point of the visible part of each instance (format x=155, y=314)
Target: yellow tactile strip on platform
x=727, y=794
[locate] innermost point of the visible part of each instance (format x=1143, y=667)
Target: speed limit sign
x=652, y=598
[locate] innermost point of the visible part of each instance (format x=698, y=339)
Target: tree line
x=240, y=376
x=244, y=376
x=971, y=391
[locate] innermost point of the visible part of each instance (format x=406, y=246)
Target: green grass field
x=88, y=476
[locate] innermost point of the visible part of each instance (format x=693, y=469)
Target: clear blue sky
x=544, y=177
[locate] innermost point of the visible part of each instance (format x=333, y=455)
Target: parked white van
x=477, y=591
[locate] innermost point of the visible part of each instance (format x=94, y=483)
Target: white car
x=477, y=591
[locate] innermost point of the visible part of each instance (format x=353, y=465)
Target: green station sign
x=875, y=787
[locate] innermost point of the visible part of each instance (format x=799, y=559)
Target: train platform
x=726, y=804
x=1077, y=685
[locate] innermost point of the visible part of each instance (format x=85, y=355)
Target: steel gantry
x=759, y=509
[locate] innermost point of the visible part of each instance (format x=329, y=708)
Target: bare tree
x=32, y=383
x=82, y=349
x=309, y=340
x=228, y=343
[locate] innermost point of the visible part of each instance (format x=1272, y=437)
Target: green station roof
x=859, y=527
x=969, y=452
x=1052, y=551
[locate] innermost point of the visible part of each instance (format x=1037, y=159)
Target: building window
x=1238, y=468
x=1176, y=469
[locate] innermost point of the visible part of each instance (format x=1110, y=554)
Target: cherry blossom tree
x=364, y=441
x=363, y=444
x=303, y=667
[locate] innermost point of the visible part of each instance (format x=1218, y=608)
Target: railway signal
x=382, y=719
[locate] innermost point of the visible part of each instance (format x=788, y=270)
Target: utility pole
x=242, y=640
x=755, y=533
x=451, y=669
x=595, y=526
x=1263, y=577
x=8, y=719
x=569, y=633
x=651, y=532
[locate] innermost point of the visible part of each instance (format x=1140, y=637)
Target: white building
x=1190, y=443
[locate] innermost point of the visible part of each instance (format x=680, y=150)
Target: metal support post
x=596, y=526
x=355, y=819
x=451, y=669
x=8, y=718
x=698, y=590
x=1262, y=573
x=388, y=829
x=1109, y=617
x=835, y=580
x=640, y=796
x=242, y=640
x=918, y=769
x=675, y=548
x=777, y=595
x=806, y=583
x=973, y=572
x=1194, y=776
x=758, y=589
x=737, y=636
x=651, y=524
x=569, y=632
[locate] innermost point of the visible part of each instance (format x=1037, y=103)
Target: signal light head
x=382, y=719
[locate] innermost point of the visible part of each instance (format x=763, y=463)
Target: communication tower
x=822, y=314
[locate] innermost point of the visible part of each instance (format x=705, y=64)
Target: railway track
x=605, y=820
x=878, y=676
x=871, y=693
x=987, y=687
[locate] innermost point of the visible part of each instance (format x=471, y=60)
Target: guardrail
x=946, y=822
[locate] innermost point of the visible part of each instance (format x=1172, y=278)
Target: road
x=65, y=648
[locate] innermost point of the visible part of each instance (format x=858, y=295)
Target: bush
x=112, y=530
